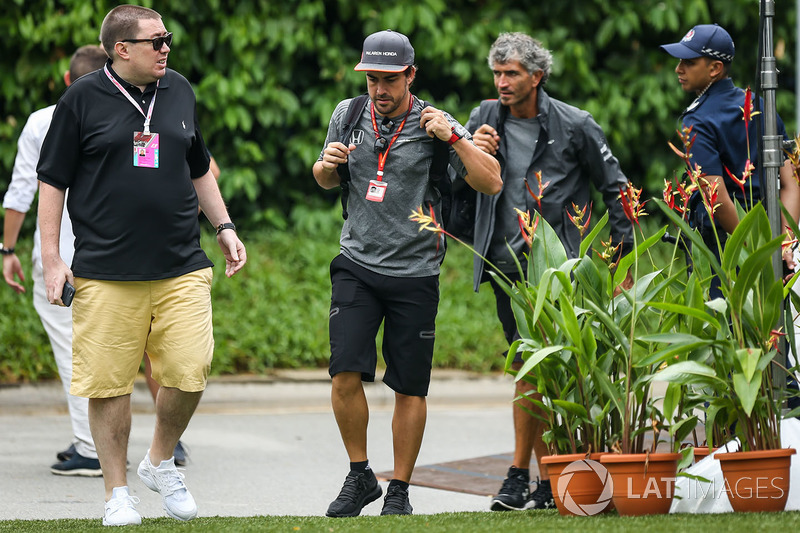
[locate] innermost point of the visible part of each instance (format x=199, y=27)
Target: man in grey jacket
x=530, y=133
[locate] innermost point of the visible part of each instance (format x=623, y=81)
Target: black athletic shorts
x=360, y=301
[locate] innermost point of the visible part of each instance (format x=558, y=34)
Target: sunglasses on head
x=158, y=42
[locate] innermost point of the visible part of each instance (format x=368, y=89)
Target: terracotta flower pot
x=701, y=452
x=757, y=480
x=580, y=485
x=643, y=484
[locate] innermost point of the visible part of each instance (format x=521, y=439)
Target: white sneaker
x=167, y=481
x=120, y=510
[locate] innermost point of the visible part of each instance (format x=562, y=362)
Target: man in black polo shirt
x=125, y=141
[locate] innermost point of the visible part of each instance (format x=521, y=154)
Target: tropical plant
x=731, y=362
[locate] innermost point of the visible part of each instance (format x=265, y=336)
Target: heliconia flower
x=747, y=110
x=687, y=139
x=789, y=241
x=688, y=142
x=794, y=157
x=708, y=190
x=428, y=222
x=669, y=194
x=537, y=197
x=774, y=336
x=608, y=252
x=527, y=226
x=738, y=181
x=577, y=220
x=684, y=192
x=631, y=203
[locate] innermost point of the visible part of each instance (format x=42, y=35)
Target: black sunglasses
x=158, y=42
x=380, y=145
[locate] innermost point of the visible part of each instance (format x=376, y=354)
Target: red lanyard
x=382, y=156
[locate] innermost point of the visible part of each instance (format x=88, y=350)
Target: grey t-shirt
x=520, y=136
x=379, y=235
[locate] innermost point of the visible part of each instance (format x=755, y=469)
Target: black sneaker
x=396, y=501
x=542, y=497
x=359, y=489
x=66, y=454
x=78, y=465
x=515, y=493
x=181, y=454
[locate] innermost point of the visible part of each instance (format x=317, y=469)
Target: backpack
x=458, y=198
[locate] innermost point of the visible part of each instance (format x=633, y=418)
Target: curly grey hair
x=520, y=47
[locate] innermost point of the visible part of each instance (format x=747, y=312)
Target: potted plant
x=735, y=375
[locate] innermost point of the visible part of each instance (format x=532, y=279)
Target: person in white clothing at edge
x=80, y=458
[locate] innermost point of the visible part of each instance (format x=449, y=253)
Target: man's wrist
x=6, y=250
x=453, y=136
x=224, y=226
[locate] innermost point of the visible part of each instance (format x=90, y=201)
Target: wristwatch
x=453, y=137
x=6, y=251
x=225, y=225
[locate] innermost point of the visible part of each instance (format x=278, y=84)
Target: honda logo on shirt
x=357, y=137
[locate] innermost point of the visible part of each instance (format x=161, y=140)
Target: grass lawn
x=487, y=522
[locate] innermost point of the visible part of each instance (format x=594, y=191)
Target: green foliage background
x=268, y=75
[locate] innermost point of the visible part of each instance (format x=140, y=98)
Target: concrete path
x=258, y=446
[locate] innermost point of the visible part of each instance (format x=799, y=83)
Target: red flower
x=669, y=194
x=577, y=220
x=537, y=197
x=527, y=226
x=631, y=203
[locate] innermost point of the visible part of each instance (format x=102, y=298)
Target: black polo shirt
x=131, y=223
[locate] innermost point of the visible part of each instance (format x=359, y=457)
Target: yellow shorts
x=115, y=322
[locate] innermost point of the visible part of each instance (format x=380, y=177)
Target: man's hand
x=334, y=155
x=12, y=267
x=435, y=123
x=233, y=248
x=487, y=139
x=56, y=272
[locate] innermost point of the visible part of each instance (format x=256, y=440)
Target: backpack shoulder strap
x=493, y=114
x=351, y=117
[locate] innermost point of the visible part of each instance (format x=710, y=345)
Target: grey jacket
x=571, y=153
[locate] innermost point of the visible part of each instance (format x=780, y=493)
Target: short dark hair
x=86, y=59
x=122, y=22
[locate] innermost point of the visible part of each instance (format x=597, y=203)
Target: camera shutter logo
x=357, y=137
x=587, y=509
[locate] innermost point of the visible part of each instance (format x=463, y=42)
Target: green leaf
x=747, y=390
x=535, y=358
x=686, y=372
x=589, y=238
x=572, y=408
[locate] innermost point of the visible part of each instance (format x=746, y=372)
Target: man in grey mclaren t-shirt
x=388, y=271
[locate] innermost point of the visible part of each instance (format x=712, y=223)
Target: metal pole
x=797, y=70
x=772, y=156
x=772, y=159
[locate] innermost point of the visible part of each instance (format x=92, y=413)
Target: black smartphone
x=67, y=293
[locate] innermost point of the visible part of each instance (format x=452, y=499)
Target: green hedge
x=274, y=313
x=268, y=74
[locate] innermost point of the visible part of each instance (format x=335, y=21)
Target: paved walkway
x=258, y=447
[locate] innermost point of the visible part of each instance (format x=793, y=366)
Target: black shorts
x=360, y=301
x=505, y=313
